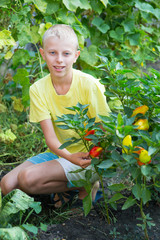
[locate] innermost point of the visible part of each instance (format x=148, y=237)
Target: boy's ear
x=77, y=55
x=42, y=53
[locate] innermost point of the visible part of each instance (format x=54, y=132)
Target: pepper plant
x=118, y=156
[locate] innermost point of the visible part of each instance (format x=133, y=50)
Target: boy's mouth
x=59, y=67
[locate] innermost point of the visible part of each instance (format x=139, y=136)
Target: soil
x=75, y=226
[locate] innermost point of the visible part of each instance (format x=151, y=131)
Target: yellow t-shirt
x=45, y=103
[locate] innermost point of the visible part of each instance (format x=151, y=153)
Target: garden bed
x=94, y=226
x=71, y=224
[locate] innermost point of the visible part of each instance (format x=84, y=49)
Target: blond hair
x=61, y=31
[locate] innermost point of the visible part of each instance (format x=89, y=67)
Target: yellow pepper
x=127, y=141
x=142, y=109
x=142, y=124
x=143, y=157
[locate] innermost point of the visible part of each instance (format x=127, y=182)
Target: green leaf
x=158, y=167
x=89, y=56
x=40, y=5
x=73, y=5
x=21, y=77
x=152, y=150
x=146, y=195
x=24, y=35
x=146, y=169
x=120, y=121
x=134, y=39
x=128, y=25
x=116, y=155
x=129, y=202
x=4, y=3
x=35, y=36
x=90, y=123
x=135, y=172
x=95, y=161
x=96, y=6
x=30, y=228
x=88, y=174
x=118, y=34
x=78, y=170
x=100, y=24
x=146, y=137
x=15, y=233
x=67, y=17
x=0, y=200
x=21, y=56
x=52, y=6
x=87, y=203
x=6, y=39
x=13, y=203
x=108, y=93
x=146, y=7
x=129, y=158
x=147, y=29
x=136, y=190
x=116, y=197
x=105, y=164
x=80, y=183
x=64, y=127
x=43, y=227
x=109, y=128
x=108, y=174
x=66, y=144
x=105, y=119
x=117, y=187
x=105, y=2
x=36, y=206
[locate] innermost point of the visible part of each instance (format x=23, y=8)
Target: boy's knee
x=6, y=185
x=25, y=180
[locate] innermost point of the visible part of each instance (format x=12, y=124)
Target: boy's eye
x=67, y=53
x=52, y=53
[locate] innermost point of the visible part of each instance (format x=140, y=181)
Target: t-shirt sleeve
x=97, y=101
x=38, y=107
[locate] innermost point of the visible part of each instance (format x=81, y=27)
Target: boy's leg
x=43, y=178
x=46, y=178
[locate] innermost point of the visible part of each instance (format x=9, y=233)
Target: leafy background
x=119, y=44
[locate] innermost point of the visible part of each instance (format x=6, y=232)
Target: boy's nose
x=59, y=58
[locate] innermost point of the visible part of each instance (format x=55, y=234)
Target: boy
x=64, y=87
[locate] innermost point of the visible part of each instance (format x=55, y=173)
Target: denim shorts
x=43, y=157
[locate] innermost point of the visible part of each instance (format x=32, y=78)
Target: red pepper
x=141, y=163
x=88, y=133
x=95, y=151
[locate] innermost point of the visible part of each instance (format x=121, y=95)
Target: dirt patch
x=94, y=226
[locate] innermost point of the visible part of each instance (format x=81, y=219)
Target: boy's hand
x=81, y=159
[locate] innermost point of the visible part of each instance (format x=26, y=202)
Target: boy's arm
x=81, y=159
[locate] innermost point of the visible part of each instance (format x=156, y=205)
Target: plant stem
x=144, y=220
x=40, y=63
x=143, y=214
x=6, y=164
x=104, y=195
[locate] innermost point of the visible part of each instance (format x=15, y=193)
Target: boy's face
x=59, y=55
